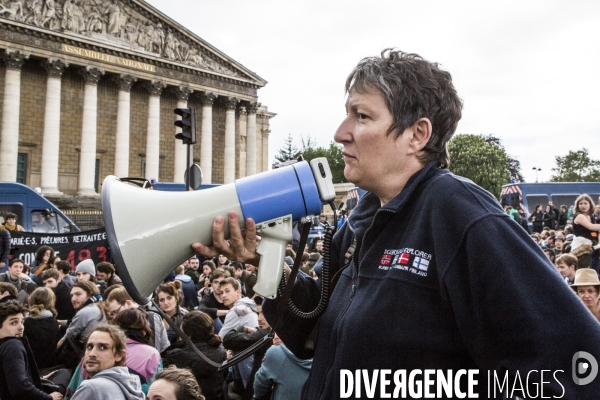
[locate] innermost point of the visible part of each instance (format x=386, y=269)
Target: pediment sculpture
x=116, y=22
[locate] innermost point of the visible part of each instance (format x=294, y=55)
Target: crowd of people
x=81, y=335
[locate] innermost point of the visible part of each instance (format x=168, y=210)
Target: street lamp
x=536, y=173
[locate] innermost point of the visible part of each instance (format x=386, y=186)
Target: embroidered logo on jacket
x=406, y=259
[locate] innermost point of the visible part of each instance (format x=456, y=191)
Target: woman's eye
x=362, y=116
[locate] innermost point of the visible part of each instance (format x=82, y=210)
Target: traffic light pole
x=190, y=161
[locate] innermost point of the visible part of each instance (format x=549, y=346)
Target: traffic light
x=187, y=125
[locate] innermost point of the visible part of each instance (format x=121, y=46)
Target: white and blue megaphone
x=150, y=232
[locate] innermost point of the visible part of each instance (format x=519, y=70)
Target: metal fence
x=86, y=219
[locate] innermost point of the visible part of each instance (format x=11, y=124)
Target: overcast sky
x=527, y=71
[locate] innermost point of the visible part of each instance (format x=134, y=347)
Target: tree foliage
x=514, y=165
x=485, y=162
x=576, y=166
x=309, y=151
x=288, y=152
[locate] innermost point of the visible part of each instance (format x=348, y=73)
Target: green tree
x=576, y=166
x=288, y=152
x=334, y=157
x=514, y=165
x=310, y=150
x=482, y=161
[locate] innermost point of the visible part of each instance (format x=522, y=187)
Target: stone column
x=180, y=160
x=125, y=83
x=207, y=99
x=265, y=149
x=242, y=123
x=87, y=156
x=229, y=153
x=251, y=139
x=155, y=88
x=9, y=138
x=51, y=140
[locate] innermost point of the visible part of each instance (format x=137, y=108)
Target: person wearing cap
x=587, y=287
x=86, y=272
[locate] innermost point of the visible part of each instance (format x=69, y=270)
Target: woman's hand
x=240, y=246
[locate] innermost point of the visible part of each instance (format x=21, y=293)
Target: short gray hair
x=413, y=88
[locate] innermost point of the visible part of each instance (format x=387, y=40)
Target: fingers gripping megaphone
x=150, y=232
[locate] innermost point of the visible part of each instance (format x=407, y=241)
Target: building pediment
x=131, y=26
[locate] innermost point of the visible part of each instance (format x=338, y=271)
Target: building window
x=22, y=168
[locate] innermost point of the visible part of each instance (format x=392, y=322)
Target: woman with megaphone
x=428, y=272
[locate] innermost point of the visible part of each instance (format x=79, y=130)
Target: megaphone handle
x=275, y=235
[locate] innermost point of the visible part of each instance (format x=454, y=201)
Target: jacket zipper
x=354, y=285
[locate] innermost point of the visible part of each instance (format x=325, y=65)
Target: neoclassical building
x=88, y=88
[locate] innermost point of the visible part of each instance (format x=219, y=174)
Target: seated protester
x=66, y=273
x=211, y=303
x=281, y=374
x=19, y=377
x=117, y=300
x=90, y=313
x=192, y=269
x=169, y=298
x=142, y=359
x=246, y=336
x=41, y=328
x=20, y=280
x=40, y=263
x=5, y=247
x=249, y=279
x=188, y=288
x=221, y=261
x=204, y=280
x=104, y=362
x=106, y=272
x=242, y=313
x=567, y=266
x=587, y=287
x=64, y=308
x=8, y=292
x=86, y=272
x=175, y=384
x=200, y=329
x=559, y=242
x=550, y=254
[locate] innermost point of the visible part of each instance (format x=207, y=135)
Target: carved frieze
x=14, y=59
x=122, y=23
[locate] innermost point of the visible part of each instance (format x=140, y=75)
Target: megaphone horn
x=150, y=232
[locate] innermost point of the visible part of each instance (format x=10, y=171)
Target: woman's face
x=548, y=209
x=47, y=255
x=589, y=295
x=206, y=270
x=83, y=276
x=167, y=302
x=584, y=206
x=538, y=208
x=372, y=156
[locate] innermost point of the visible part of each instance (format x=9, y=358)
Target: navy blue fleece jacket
x=442, y=279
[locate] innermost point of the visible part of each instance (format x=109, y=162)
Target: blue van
x=34, y=212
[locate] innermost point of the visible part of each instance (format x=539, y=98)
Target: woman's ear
x=421, y=133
